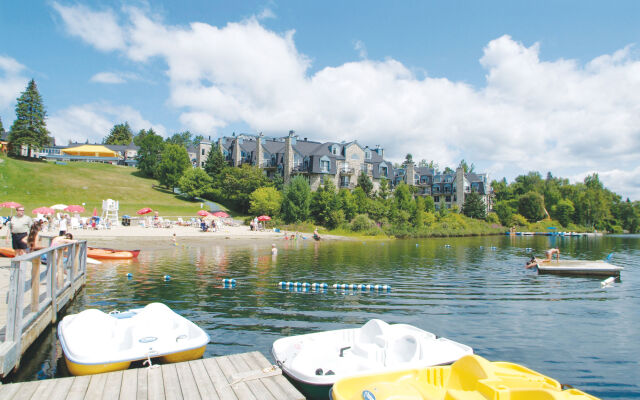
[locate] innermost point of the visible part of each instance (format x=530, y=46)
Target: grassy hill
x=35, y=184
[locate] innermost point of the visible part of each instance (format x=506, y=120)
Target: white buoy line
x=337, y=286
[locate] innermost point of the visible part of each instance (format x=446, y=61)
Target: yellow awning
x=90, y=150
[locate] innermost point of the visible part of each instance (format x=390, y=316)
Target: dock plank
x=187, y=382
x=203, y=381
x=235, y=377
x=217, y=378
x=112, y=385
x=78, y=387
x=129, y=384
x=155, y=385
x=142, y=378
x=172, y=390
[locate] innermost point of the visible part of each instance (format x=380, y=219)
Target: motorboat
x=470, y=378
x=94, y=342
x=111, y=254
x=579, y=267
x=315, y=361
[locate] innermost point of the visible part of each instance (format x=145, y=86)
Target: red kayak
x=7, y=252
x=111, y=254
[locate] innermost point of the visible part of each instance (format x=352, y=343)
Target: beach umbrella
x=75, y=209
x=145, y=210
x=44, y=210
x=59, y=207
x=11, y=205
x=264, y=218
x=220, y=214
x=202, y=213
x=95, y=211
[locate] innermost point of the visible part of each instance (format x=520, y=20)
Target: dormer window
x=367, y=154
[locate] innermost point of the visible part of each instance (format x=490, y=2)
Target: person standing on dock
x=19, y=226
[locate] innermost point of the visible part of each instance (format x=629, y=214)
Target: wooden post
x=72, y=259
x=35, y=284
x=76, y=261
x=60, y=267
x=16, y=306
x=52, y=262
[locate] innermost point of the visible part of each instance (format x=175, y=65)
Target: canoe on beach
x=111, y=254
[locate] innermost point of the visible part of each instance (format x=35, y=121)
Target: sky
x=512, y=87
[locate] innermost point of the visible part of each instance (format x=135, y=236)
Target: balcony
x=347, y=171
x=347, y=185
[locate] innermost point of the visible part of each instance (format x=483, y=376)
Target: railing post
x=72, y=259
x=35, y=284
x=60, y=268
x=52, y=262
x=15, y=307
x=76, y=259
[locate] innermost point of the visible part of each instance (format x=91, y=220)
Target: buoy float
x=229, y=282
x=447, y=245
x=167, y=277
x=607, y=281
x=129, y=275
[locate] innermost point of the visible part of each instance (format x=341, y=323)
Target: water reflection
x=473, y=290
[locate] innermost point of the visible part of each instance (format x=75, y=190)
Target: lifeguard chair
x=110, y=211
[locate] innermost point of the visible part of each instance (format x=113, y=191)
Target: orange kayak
x=7, y=252
x=111, y=254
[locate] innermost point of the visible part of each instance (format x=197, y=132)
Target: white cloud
x=266, y=14
x=532, y=114
x=360, y=47
x=114, y=77
x=12, y=83
x=93, y=122
x=98, y=28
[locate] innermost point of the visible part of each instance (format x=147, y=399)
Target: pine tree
x=120, y=135
x=365, y=183
x=29, y=129
x=1, y=127
x=215, y=162
x=474, y=206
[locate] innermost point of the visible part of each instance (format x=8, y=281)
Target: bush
x=492, y=218
x=361, y=223
x=518, y=220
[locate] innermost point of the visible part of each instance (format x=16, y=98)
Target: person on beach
x=33, y=240
x=316, y=236
x=19, y=227
x=63, y=225
x=274, y=249
x=549, y=254
x=62, y=239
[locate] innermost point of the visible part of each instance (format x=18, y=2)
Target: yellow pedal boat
x=470, y=378
x=94, y=342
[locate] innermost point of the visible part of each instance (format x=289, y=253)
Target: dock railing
x=36, y=290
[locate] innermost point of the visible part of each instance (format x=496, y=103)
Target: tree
x=194, y=183
x=402, y=197
x=563, y=211
x=183, y=139
x=297, y=198
x=1, y=127
x=197, y=139
x=448, y=170
x=174, y=162
x=29, y=129
x=365, y=183
x=383, y=190
x=323, y=203
x=504, y=212
x=474, y=206
x=408, y=159
x=417, y=217
x=215, y=163
x=237, y=184
x=120, y=134
x=347, y=204
x=265, y=201
x=151, y=147
x=429, y=204
x=468, y=169
x=531, y=206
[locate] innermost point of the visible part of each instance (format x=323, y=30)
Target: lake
x=472, y=290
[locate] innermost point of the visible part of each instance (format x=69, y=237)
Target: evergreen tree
x=323, y=203
x=29, y=129
x=474, y=206
x=183, y=139
x=1, y=127
x=120, y=134
x=365, y=183
x=384, y=191
x=297, y=198
x=215, y=163
x=151, y=147
x=174, y=162
x=347, y=204
x=417, y=218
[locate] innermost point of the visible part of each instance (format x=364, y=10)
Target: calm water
x=566, y=327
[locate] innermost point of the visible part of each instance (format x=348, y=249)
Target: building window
x=449, y=179
x=202, y=151
x=202, y=164
x=344, y=181
x=363, y=168
x=355, y=156
x=436, y=199
x=447, y=199
x=383, y=172
x=367, y=154
x=437, y=179
x=324, y=166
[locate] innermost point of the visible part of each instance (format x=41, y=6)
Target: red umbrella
x=145, y=210
x=203, y=213
x=10, y=204
x=220, y=214
x=264, y=218
x=44, y=210
x=95, y=211
x=75, y=209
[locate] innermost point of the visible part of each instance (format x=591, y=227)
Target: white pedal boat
x=315, y=361
x=94, y=342
x=579, y=267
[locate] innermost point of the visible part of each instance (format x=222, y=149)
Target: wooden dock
x=239, y=376
x=32, y=294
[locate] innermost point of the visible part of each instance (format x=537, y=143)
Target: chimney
x=236, y=152
x=305, y=139
x=288, y=158
x=259, y=155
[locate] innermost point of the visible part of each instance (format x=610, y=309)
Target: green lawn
x=35, y=184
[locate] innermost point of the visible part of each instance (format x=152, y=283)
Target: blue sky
x=510, y=86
